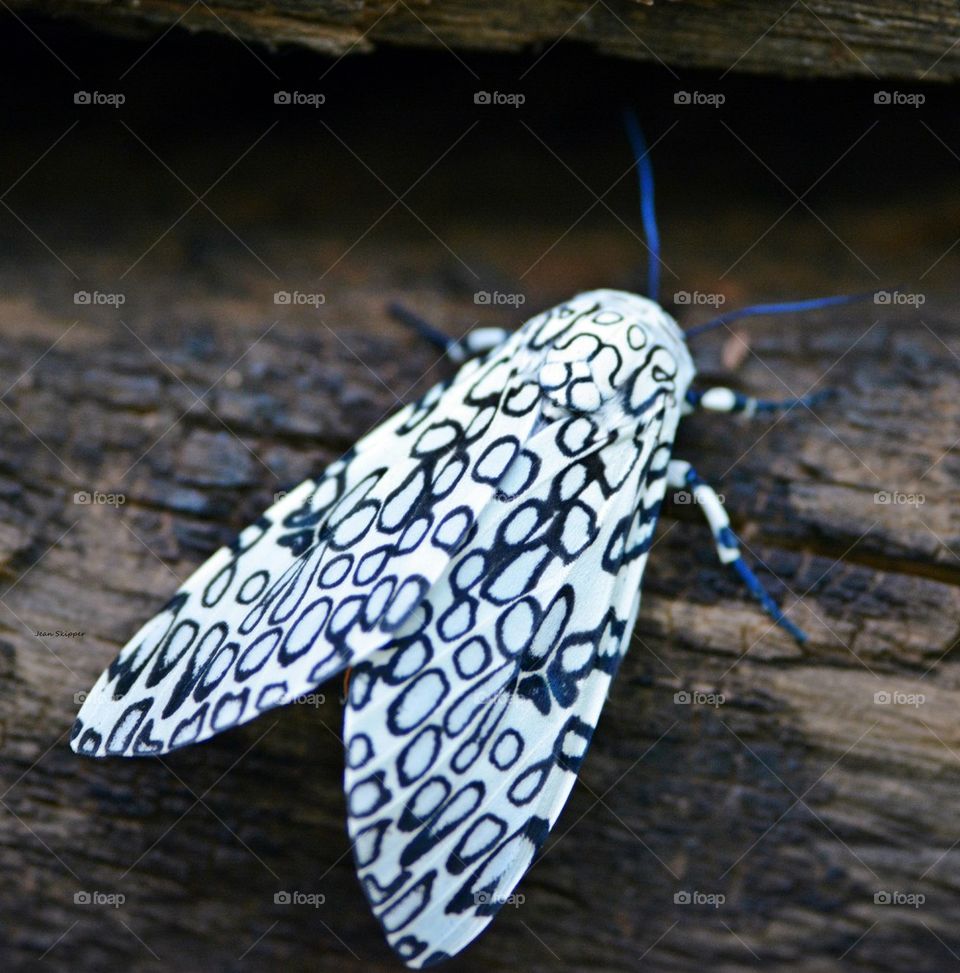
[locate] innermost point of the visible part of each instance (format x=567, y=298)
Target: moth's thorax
x=608, y=350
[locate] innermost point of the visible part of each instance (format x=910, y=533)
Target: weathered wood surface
x=799, y=798
x=823, y=37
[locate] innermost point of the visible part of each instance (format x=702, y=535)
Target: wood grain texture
x=797, y=797
x=823, y=37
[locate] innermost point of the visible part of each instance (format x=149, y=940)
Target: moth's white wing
x=324, y=578
x=478, y=560
x=465, y=738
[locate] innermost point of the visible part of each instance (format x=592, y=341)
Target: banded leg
x=477, y=342
x=681, y=475
x=720, y=399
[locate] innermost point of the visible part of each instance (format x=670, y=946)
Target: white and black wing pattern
x=465, y=736
x=322, y=579
x=477, y=559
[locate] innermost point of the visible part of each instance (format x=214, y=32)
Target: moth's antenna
x=786, y=307
x=647, y=211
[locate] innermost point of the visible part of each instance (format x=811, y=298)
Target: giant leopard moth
x=476, y=562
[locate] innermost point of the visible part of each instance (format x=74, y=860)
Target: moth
x=476, y=562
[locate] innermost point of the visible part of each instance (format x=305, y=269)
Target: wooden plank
x=826, y=37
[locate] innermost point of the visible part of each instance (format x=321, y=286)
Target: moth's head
x=608, y=344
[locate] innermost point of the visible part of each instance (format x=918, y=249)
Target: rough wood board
x=798, y=798
x=821, y=37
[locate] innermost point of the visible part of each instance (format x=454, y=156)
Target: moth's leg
x=682, y=476
x=720, y=399
x=477, y=342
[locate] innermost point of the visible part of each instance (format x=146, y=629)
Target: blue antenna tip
x=641, y=154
